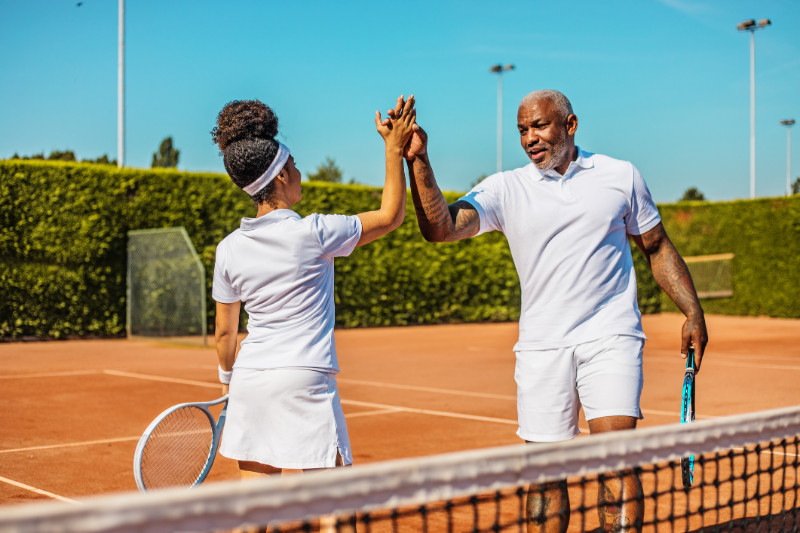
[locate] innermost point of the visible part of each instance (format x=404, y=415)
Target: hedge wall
x=763, y=235
x=63, y=230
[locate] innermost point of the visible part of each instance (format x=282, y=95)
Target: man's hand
x=694, y=334
x=417, y=145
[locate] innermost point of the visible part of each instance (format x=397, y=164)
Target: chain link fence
x=166, y=289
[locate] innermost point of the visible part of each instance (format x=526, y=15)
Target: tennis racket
x=178, y=448
x=687, y=416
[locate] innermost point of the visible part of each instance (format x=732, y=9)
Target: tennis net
x=745, y=479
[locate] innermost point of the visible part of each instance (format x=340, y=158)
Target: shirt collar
x=270, y=218
x=583, y=161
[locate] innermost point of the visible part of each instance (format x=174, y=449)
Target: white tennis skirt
x=285, y=418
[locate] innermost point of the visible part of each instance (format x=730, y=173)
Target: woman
x=283, y=409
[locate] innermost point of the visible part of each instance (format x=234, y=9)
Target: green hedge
x=63, y=233
x=63, y=250
x=763, y=235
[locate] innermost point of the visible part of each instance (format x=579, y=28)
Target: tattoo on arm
x=669, y=269
x=438, y=221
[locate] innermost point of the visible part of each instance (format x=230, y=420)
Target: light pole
x=752, y=26
x=499, y=69
x=789, y=122
x=121, y=86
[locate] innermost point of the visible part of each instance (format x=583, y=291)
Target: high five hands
x=398, y=127
x=418, y=144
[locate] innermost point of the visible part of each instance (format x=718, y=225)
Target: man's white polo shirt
x=568, y=238
x=281, y=266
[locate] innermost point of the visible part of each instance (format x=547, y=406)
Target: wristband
x=225, y=376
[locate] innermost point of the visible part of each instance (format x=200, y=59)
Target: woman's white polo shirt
x=281, y=266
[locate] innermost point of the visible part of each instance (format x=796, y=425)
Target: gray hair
x=558, y=98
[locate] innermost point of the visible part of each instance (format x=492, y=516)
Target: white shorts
x=603, y=376
x=286, y=418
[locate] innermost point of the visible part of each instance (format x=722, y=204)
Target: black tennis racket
x=687, y=416
x=178, y=448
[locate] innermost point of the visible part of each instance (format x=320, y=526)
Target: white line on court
x=429, y=389
x=672, y=413
x=388, y=408
x=373, y=413
x=70, y=444
x=160, y=378
x=430, y=412
x=38, y=491
x=51, y=374
x=757, y=365
x=479, y=394
x=733, y=359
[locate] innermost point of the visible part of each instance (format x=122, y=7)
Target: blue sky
x=662, y=83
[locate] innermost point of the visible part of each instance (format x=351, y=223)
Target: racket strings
x=178, y=448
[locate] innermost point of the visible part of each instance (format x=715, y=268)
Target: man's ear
x=572, y=124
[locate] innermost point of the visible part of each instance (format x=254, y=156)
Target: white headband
x=273, y=170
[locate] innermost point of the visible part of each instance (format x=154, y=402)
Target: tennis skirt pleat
x=286, y=418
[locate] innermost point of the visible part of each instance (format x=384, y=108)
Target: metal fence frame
x=195, y=259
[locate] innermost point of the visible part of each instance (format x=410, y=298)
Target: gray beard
x=560, y=154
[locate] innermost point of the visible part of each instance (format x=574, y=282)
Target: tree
x=328, y=171
x=167, y=156
x=66, y=155
x=796, y=186
x=102, y=160
x=478, y=180
x=692, y=194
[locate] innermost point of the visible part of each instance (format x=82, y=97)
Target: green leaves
x=64, y=226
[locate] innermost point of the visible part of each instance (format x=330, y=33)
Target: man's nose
x=530, y=137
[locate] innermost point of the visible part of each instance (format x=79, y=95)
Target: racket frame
x=216, y=427
x=687, y=415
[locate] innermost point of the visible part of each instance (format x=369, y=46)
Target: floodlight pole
x=121, y=86
x=752, y=26
x=788, y=123
x=499, y=69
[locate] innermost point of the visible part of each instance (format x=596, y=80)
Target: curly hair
x=245, y=133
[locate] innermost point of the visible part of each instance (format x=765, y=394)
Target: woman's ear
x=283, y=175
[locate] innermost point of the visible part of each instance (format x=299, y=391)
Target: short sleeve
x=484, y=198
x=337, y=234
x=222, y=291
x=644, y=213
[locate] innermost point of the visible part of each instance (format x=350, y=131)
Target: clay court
x=75, y=409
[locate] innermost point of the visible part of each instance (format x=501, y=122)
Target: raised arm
x=396, y=130
x=438, y=221
x=672, y=275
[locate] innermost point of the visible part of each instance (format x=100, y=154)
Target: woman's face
x=294, y=188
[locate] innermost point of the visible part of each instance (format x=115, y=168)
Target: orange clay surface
x=74, y=410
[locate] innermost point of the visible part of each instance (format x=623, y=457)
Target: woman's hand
x=396, y=130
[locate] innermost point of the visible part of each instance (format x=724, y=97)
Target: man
x=567, y=217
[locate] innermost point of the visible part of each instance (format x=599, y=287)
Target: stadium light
x=499, y=69
x=789, y=122
x=121, y=86
x=751, y=26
